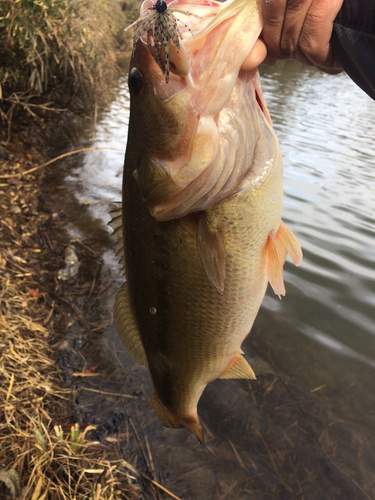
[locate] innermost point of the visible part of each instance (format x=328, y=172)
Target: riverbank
x=56, y=431
x=37, y=441
x=54, y=442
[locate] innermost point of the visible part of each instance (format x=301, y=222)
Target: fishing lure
x=161, y=25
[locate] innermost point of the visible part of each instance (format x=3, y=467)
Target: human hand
x=300, y=30
x=256, y=56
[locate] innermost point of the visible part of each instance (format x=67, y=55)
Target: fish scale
x=199, y=230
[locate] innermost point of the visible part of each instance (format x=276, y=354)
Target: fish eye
x=135, y=81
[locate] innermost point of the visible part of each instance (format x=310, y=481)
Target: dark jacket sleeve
x=353, y=41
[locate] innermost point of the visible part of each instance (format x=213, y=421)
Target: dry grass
x=52, y=39
x=52, y=461
x=59, y=54
x=44, y=454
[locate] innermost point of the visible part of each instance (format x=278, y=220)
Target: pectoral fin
x=239, y=368
x=278, y=245
x=274, y=265
x=212, y=253
x=289, y=244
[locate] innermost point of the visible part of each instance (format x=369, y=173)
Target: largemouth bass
x=199, y=230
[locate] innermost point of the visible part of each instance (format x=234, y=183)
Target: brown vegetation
x=47, y=460
x=47, y=42
x=45, y=454
x=53, y=52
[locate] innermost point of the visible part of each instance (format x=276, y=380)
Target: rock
x=71, y=265
x=11, y=480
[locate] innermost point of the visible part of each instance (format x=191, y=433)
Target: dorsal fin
x=164, y=415
x=116, y=225
x=124, y=320
x=127, y=328
x=211, y=252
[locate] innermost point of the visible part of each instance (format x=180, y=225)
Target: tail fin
x=170, y=420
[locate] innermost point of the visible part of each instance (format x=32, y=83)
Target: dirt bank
x=55, y=442
x=59, y=444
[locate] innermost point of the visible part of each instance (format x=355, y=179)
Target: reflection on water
x=306, y=427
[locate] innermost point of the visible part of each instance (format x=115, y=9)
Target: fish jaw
x=182, y=148
x=229, y=150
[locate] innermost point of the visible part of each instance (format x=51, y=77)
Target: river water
x=306, y=428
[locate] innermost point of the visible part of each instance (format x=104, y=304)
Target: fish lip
x=178, y=60
x=154, y=78
x=165, y=193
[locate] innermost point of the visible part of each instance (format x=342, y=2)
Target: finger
x=273, y=12
x=295, y=14
x=336, y=69
x=316, y=34
x=269, y=61
x=256, y=56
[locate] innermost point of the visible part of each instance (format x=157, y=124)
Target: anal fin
x=239, y=368
x=127, y=328
x=194, y=426
x=211, y=252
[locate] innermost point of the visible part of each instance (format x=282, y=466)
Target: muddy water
x=306, y=428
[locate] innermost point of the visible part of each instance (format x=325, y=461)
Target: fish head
x=197, y=129
x=160, y=112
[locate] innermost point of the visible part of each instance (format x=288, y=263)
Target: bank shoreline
x=55, y=443
x=46, y=328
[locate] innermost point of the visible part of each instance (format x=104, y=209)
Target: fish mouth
x=172, y=35
x=227, y=154
x=165, y=31
x=227, y=117
x=178, y=62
